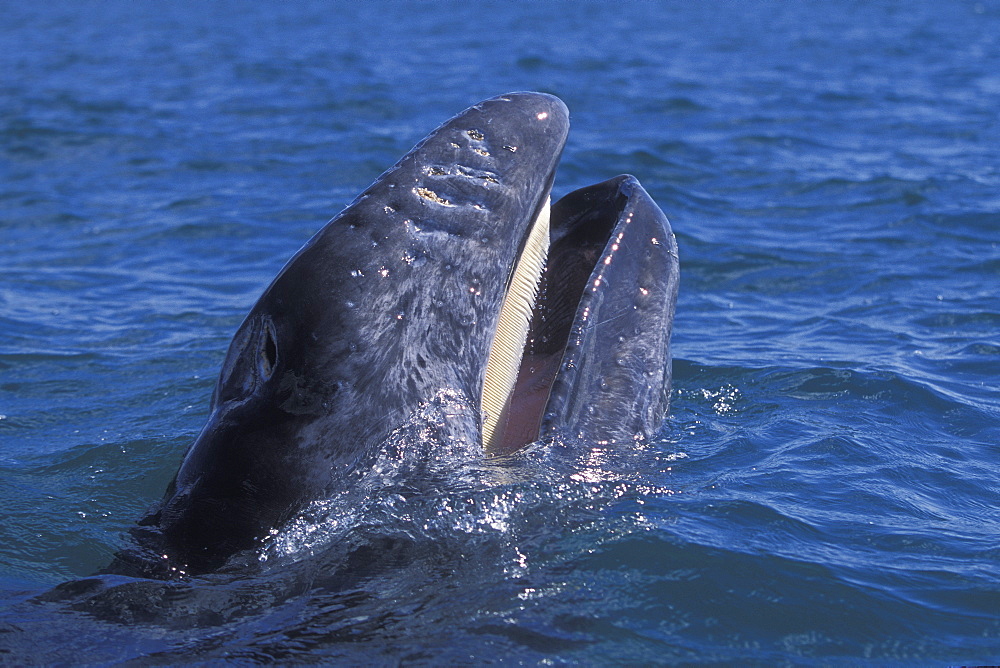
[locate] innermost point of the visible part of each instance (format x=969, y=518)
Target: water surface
x=825, y=490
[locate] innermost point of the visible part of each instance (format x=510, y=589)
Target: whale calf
x=452, y=273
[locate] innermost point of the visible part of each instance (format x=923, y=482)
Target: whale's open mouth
x=568, y=246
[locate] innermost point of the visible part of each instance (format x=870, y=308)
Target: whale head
x=452, y=273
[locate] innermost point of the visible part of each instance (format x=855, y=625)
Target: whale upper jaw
x=398, y=299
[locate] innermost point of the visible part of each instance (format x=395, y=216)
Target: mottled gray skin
x=396, y=300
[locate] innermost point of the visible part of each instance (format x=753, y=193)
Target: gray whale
x=398, y=299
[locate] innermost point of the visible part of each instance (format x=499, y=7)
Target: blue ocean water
x=825, y=491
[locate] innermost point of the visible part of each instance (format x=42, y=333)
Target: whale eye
x=267, y=356
x=250, y=362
